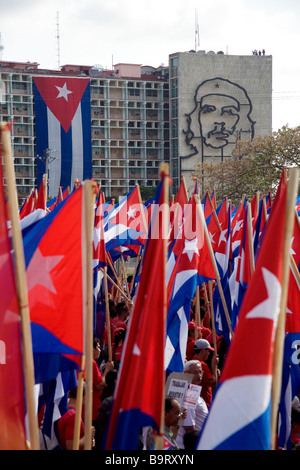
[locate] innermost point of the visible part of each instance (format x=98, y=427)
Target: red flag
x=140, y=388
x=12, y=436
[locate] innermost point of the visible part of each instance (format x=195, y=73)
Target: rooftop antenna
x=197, y=41
x=57, y=41
x=1, y=47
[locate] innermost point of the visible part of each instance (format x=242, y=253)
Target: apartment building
x=188, y=112
x=129, y=122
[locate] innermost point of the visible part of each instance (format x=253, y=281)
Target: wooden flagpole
x=127, y=300
x=79, y=400
x=164, y=169
x=21, y=286
x=213, y=260
x=135, y=268
x=89, y=195
x=250, y=237
x=107, y=314
x=197, y=313
x=212, y=316
x=280, y=330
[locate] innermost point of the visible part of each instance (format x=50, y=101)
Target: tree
x=147, y=192
x=255, y=165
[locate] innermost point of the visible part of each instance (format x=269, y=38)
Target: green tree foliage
x=255, y=166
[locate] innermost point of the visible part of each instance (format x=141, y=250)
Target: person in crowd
x=105, y=409
x=99, y=380
x=295, y=418
x=66, y=424
x=211, y=374
x=173, y=413
x=195, y=416
x=117, y=347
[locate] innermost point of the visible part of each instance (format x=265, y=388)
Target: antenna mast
x=57, y=41
x=197, y=41
x=1, y=47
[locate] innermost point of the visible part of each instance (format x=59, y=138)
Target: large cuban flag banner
x=63, y=124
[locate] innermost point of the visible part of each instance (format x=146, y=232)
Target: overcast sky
x=106, y=32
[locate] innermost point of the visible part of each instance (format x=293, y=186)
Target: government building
x=195, y=108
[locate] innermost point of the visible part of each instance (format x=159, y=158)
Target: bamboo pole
x=213, y=260
x=127, y=300
x=108, y=329
x=213, y=326
x=197, y=313
x=79, y=400
x=250, y=238
x=164, y=170
x=21, y=286
x=280, y=330
x=135, y=268
x=88, y=221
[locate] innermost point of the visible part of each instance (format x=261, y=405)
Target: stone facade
x=215, y=100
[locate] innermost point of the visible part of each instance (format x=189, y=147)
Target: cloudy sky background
x=106, y=32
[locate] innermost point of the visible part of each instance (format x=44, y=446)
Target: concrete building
x=186, y=113
x=215, y=99
x=129, y=122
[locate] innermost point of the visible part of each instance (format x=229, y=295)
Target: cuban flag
x=222, y=256
x=125, y=223
x=189, y=265
x=139, y=393
x=290, y=369
x=55, y=265
x=240, y=414
x=12, y=403
x=63, y=123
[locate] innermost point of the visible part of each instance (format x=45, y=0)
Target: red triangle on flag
x=62, y=96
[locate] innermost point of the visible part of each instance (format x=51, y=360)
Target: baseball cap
x=191, y=325
x=202, y=344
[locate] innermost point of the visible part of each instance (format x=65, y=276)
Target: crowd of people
x=205, y=356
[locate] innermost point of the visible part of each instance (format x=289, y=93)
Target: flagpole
x=164, y=171
x=89, y=195
x=135, y=268
x=280, y=330
x=118, y=288
x=104, y=270
x=79, y=399
x=197, y=312
x=250, y=237
x=213, y=326
x=21, y=286
x=213, y=260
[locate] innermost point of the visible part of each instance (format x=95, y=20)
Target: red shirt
x=206, y=390
x=66, y=426
x=97, y=379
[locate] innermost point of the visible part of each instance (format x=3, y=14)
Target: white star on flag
x=131, y=212
x=222, y=236
x=269, y=308
x=190, y=247
x=39, y=269
x=238, y=226
x=63, y=92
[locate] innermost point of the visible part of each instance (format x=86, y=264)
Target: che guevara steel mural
x=221, y=115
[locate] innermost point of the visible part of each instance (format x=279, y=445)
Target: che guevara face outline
x=221, y=108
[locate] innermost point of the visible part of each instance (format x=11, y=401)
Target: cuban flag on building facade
x=63, y=124
x=240, y=414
